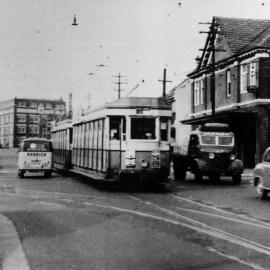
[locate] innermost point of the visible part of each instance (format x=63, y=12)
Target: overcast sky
x=43, y=56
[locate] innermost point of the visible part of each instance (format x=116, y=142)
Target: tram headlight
x=144, y=163
x=211, y=155
x=232, y=157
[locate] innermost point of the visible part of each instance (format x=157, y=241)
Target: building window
x=6, y=131
x=196, y=93
x=34, y=129
x=253, y=74
x=6, y=118
x=244, y=78
x=228, y=83
x=34, y=118
x=21, y=129
x=48, y=105
x=33, y=105
x=21, y=118
x=202, y=91
x=21, y=103
x=249, y=76
x=199, y=92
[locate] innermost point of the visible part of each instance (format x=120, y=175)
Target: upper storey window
x=249, y=76
x=244, y=78
x=199, y=92
x=21, y=103
x=228, y=83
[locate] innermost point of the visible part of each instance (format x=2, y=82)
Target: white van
x=35, y=155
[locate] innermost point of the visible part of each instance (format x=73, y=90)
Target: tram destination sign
x=141, y=110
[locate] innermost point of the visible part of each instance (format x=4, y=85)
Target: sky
x=42, y=55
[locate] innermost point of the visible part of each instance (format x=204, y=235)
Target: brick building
x=231, y=83
x=21, y=118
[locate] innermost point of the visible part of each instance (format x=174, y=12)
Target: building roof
x=233, y=38
x=243, y=34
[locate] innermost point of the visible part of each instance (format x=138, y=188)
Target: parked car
x=262, y=175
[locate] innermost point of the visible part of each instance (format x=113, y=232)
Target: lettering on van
x=36, y=154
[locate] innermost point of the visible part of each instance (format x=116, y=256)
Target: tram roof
x=133, y=102
x=126, y=103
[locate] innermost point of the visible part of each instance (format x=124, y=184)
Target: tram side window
x=115, y=127
x=163, y=129
x=143, y=128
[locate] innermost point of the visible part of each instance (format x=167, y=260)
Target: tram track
x=164, y=214
x=215, y=232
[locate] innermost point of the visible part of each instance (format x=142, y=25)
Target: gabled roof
x=241, y=34
x=235, y=36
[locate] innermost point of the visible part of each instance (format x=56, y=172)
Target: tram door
x=117, y=141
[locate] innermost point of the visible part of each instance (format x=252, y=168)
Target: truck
x=211, y=153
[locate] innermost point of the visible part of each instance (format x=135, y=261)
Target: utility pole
x=164, y=81
x=213, y=31
x=119, y=83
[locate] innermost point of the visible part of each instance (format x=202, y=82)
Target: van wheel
x=237, y=178
x=47, y=174
x=21, y=174
x=261, y=192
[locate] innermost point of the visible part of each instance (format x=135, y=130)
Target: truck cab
x=211, y=152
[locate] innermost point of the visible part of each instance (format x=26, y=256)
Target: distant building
x=21, y=118
x=180, y=99
x=237, y=53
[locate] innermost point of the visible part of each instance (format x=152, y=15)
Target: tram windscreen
x=143, y=128
x=37, y=146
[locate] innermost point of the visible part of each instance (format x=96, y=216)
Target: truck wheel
x=214, y=177
x=237, y=178
x=261, y=192
x=179, y=172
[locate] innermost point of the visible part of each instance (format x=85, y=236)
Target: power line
x=134, y=88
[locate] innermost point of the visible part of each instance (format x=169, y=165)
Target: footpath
x=12, y=256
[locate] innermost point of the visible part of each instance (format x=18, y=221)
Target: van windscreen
x=37, y=146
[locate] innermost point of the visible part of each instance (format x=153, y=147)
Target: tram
x=122, y=140
x=61, y=137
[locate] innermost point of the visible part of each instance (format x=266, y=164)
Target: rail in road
x=243, y=234
x=236, y=236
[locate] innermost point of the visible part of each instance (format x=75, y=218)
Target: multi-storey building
x=21, y=118
x=232, y=83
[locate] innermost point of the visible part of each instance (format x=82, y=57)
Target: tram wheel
x=47, y=174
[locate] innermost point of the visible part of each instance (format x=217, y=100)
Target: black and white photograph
x=135, y=135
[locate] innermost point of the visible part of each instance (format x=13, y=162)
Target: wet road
x=67, y=222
